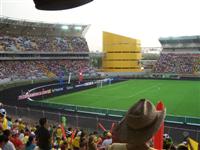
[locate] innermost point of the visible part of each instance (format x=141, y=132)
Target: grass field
x=179, y=97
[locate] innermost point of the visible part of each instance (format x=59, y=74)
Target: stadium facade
x=180, y=44
x=121, y=54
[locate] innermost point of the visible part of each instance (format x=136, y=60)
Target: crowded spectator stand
x=37, y=50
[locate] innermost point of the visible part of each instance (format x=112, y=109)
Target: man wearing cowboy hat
x=137, y=127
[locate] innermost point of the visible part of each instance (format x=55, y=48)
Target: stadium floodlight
x=78, y=28
x=59, y=4
x=65, y=27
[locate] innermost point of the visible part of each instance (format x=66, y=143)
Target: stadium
x=48, y=71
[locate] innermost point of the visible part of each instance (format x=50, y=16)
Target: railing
x=111, y=112
x=90, y=123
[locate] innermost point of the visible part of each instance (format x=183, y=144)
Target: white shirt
x=9, y=146
x=107, y=142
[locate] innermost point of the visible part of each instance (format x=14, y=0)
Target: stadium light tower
x=65, y=27
x=59, y=4
x=78, y=28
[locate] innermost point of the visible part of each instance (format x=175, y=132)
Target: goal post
x=99, y=83
x=103, y=82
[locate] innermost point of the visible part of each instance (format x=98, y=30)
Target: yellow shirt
x=76, y=142
x=5, y=123
x=68, y=142
x=25, y=139
x=59, y=132
x=21, y=127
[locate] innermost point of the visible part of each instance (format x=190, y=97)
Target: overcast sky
x=146, y=20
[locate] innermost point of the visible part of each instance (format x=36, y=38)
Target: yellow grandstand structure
x=121, y=54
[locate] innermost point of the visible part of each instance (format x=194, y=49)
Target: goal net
x=103, y=82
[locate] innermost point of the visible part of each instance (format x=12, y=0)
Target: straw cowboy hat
x=139, y=124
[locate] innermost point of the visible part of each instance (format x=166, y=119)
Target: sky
x=146, y=20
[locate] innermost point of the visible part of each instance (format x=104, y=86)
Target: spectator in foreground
x=30, y=145
x=16, y=141
x=3, y=119
x=108, y=139
x=91, y=143
x=2, y=137
x=8, y=145
x=43, y=136
x=182, y=147
x=137, y=127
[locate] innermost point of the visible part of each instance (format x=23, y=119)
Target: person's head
x=91, y=139
x=6, y=134
x=139, y=124
x=167, y=142
x=109, y=135
x=91, y=142
x=65, y=145
x=95, y=133
x=15, y=133
x=182, y=147
x=3, y=112
x=83, y=134
x=173, y=147
x=2, y=140
x=84, y=144
x=31, y=140
x=43, y=122
x=2, y=115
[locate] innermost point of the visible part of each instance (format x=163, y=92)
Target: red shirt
x=16, y=141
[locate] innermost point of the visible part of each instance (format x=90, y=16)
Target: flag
x=61, y=77
x=102, y=127
x=193, y=145
x=158, y=137
x=63, y=131
x=69, y=78
x=64, y=121
x=112, y=127
x=72, y=136
x=80, y=77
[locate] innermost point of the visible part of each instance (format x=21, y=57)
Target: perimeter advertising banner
x=57, y=89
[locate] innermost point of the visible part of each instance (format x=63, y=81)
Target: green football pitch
x=179, y=97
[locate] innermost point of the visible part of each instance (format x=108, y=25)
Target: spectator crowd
x=36, y=69
x=128, y=134
x=43, y=44
x=178, y=63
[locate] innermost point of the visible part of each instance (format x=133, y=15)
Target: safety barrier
x=111, y=112
x=91, y=123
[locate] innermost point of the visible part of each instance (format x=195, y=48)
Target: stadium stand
x=55, y=44
x=35, y=50
x=180, y=55
x=32, y=69
x=178, y=63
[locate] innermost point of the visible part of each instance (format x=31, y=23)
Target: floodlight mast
x=65, y=27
